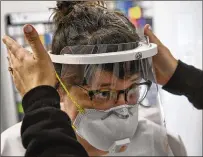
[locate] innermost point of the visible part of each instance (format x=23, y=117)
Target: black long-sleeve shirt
x=47, y=131
x=188, y=81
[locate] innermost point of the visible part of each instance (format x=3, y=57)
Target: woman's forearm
x=187, y=80
x=46, y=130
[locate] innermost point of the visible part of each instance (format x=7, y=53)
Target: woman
x=77, y=38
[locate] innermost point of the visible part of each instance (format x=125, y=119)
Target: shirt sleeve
x=46, y=130
x=188, y=81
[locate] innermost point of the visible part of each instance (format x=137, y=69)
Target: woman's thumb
x=34, y=41
x=152, y=38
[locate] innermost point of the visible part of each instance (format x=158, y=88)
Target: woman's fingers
x=13, y=47
x=13, y=63
x=9, y=59
x=150, y=34
x=34, y=41
x=10, y=69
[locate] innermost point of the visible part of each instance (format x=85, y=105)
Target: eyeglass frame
x=91, y=93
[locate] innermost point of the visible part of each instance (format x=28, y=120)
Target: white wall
x=179, y=27
x=8, y=118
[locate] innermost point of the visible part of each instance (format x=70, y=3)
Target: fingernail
x=3, y=39
x=28, y=29
x=150, y=28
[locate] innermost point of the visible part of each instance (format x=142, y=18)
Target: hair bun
x=66, y=6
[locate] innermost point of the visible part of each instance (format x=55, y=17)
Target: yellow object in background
x=135, y=13
x=42, y=39
x=20, y=108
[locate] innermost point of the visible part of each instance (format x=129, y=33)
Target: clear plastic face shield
x=113, y=74
x=107, y=83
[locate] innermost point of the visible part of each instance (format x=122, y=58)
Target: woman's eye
x=103, y=95
x=134, y=87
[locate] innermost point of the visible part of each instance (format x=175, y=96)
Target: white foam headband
x=144, y=51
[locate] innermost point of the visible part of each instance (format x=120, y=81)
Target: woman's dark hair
x=89, y=22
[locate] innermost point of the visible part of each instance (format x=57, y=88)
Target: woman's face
x=104, y=82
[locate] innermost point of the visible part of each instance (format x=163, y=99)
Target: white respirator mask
x=109, y=130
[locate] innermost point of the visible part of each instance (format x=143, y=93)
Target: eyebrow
x=105, y=85
x=135, y=79
x=109, y=84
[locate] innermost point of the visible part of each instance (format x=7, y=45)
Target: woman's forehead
x=105, y=78
x=106, y=75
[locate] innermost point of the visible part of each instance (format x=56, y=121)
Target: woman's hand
x=164, y=63
x=29, y=70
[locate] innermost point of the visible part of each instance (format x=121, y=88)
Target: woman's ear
x=61, y=94
x=69, y=108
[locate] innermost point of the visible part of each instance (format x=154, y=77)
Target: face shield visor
x=109, y=74
x=109, y=82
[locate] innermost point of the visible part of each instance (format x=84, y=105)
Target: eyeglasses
x=133, y=95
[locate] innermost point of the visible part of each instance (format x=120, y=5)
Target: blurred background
x=178, y=24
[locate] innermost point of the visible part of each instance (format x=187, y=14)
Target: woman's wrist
x=40, y=93
x=171, y=71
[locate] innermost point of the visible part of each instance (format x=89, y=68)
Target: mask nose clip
x=122, y=114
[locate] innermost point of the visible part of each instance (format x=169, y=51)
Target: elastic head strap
x=79, y=108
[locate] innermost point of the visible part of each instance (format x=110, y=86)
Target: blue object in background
x=141, y=22
x=124, y=6
x=47, y=39
x=128, y=4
